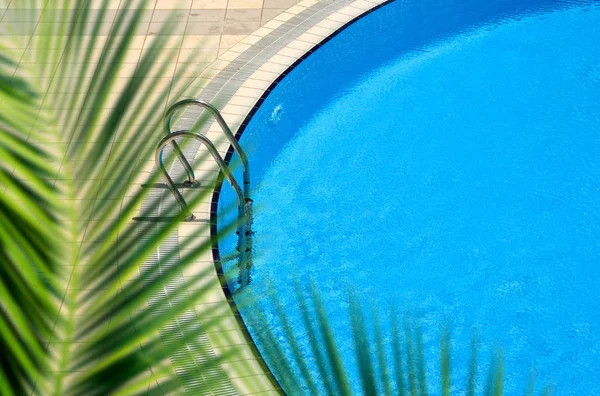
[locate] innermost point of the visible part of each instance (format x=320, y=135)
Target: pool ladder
x=244, y=203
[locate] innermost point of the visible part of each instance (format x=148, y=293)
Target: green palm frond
x=386, y=362
x=85, y=259
x=30, y=234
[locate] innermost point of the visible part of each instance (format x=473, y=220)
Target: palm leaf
x=362, y=347
x=398, y=352
x=445, y=362
x=323, y=368
x=30, y=235
x=472, y=385
x=111, y=130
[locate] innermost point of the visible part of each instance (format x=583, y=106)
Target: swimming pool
x=443, y=156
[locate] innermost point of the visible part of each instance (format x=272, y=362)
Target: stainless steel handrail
x=217, y=157
x=244, y=205
x=232, y=140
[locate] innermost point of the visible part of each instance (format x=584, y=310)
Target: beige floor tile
x=240, y=47
x=243, y=15
x=173, y=4
x=273, y=24
x=207, y=15
x=270, y=13
x=170, y=15
x=280, y=3
x=209, y=4
x=193, y=55
x=262, y=32
x=171, y=42
x=229, y=40
x=308, y=3
x=170, y=28
x=296, y=9
x=245, y=4
x=193, y=69
x=204, y=28
x=251, y=39
x=240, y=28
x=201, y=41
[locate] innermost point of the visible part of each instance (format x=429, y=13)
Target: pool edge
x=375, y=5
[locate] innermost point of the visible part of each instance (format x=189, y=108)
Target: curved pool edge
x=278, y=67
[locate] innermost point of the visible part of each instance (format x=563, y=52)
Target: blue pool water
x=444, y=157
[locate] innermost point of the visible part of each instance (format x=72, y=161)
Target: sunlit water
x=459, y=179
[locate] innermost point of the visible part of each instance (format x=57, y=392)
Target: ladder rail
x=216, y=156
x=224, y=127
x=244, y=202
x=244, y=206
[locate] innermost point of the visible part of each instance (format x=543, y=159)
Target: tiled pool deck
x=245, y=47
